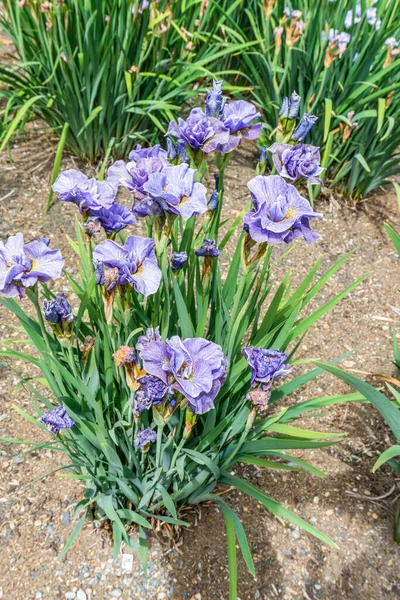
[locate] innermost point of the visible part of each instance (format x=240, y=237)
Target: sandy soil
x=36, y=520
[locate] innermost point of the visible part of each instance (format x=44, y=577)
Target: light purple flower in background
x=279, y=213
x=23, y=265
x=57, y=419
x=215, y=102
x=290, y=107
x=199, y=131
x=114, y=219
x=304, y=127
x=293, y=162
x=73, y=186
x=391, y=42
x=242, y=120
x=265, y=365
x=134, y=174
x=135, y=262
x=348, y=22
x=194, y=367
x=144, y=438
x=176, y=191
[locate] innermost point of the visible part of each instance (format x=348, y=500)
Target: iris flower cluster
x=165, y=374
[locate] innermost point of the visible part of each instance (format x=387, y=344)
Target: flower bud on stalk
x=107, y=280
x=208, y=251
x=262, y=162
x=288, y=114
x=58, y=313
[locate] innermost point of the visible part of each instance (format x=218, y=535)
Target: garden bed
x=289, y=564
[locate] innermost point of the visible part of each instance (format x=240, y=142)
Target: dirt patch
x=289, y=563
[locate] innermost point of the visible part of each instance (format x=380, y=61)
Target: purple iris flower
x=176, y=191
x=265, y=365
x=87, y=194
x=152, y=335
x=135, y=263
x=178, y=260
x=149, y=152
x=134, y=174
x=144, y=438
x=152, y=392
x=306, y=124
x=208, y=248
x=349, y=20
x=242, y=120
x=290, y=107
x=57, y=419
x=279, y=213
x=199, y=131
x=58, y=311
x=215, y=102
x=293, y=162
x=194, y=367
x=23, y=265
x=114, y=219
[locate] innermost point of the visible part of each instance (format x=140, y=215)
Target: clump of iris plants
x=167, y=370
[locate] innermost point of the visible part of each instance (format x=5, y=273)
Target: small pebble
x=116, y=593
x=316, y=500
x=70, y=595
x=81, y=595
x=17, y=460
x=65, y=518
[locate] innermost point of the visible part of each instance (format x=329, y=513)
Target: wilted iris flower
x=195, y=367
x=23, y=265
x=215, y=102
x=135, y=263
x=265, y=365
x=144, y=438
x=293, y=162
x=57, y=419
x=175, y=190
x=88, y=194
x=199, y=131
x=279, y=213
x=134, y=174
x=178, y=260
x=152, y=392
x=58, y=311
x=114, y=219
x=304, y=127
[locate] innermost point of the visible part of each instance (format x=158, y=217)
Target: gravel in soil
x=351, y=505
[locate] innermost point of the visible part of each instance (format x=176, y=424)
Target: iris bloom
x=265, y=365
x=133, y=264
x=293, y=162
x=176, y=192
x=195, y=367
x=73, y=186
x=279, y=213
x=23, y=265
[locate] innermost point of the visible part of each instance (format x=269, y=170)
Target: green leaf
x=386, y=455
x=76, y=531
x=276, y=508
x=381, y=403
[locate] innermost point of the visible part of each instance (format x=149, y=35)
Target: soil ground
x=352, y=505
